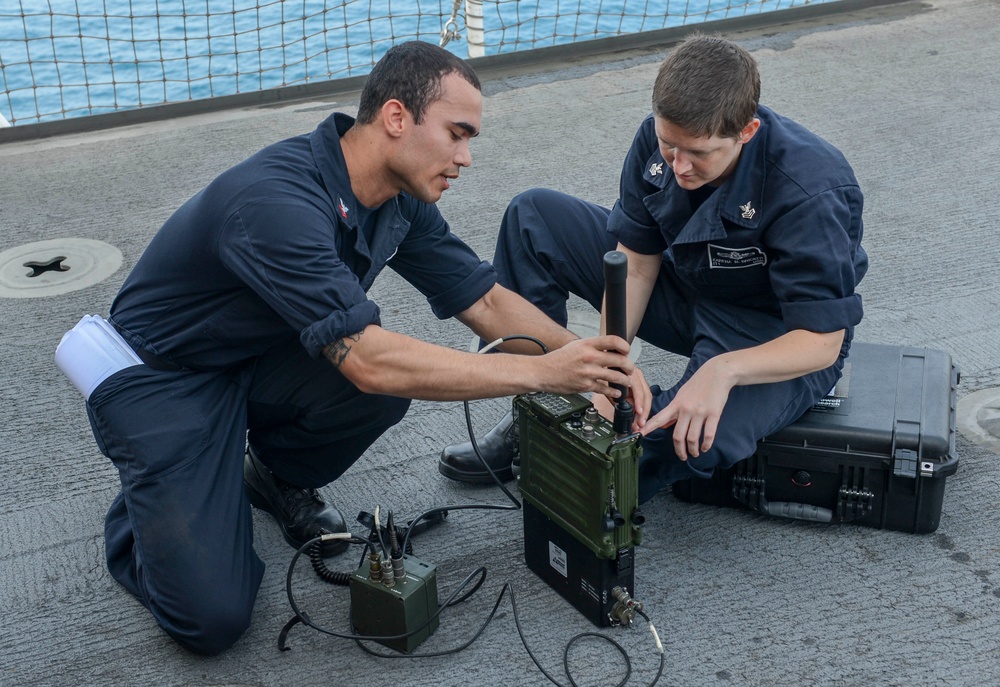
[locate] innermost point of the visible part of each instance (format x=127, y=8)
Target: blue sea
x=66, y=58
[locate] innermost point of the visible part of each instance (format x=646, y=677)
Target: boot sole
x=483, y=478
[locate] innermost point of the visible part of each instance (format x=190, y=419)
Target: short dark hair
x=411, y=73
x=708, y=86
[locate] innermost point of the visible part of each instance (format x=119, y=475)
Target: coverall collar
x=737, y=200
x=325, y=142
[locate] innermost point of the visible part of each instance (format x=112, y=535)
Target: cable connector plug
x=625, y=608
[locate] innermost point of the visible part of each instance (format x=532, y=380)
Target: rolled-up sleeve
x=439, y=264
x=465, y=293
x=337, y=325
x=817, y=261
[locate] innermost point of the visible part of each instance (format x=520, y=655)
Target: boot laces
x=297, y=498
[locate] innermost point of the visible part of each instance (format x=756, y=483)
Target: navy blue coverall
x=775, y=247
x=231, y=306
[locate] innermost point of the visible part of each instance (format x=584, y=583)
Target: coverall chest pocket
x=733, y=273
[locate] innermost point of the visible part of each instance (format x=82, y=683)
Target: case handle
x=795, y=511
x=750, y=492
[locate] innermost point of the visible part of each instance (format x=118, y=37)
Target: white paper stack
x=91, y=352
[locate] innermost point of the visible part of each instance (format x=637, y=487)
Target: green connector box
x=381, y=611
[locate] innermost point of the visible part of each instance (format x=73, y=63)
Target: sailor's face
x=438, y=147
x=699, y=160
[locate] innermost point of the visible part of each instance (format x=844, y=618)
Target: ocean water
x=67, y=58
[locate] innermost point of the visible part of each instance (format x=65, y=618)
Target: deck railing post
x=474, y=28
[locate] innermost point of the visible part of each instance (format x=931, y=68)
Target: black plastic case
x=875, y=452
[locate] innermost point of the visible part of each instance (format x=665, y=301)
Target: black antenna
x=615, y=315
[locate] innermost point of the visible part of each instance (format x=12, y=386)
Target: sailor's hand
x=694, y=412
x=588, y=365
x=639, y=396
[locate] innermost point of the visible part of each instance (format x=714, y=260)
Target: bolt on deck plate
x=56, y=266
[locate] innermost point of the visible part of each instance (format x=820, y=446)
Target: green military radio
x=579, y=482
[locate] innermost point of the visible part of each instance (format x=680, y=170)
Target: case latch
x=905, y=463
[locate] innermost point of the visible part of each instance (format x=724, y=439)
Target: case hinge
x=854, y=503
x=747, y=488
x=854, y=499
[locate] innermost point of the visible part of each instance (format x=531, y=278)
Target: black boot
x=499, y=448
x=300, y=513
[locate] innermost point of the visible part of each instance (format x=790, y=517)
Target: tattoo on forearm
x=337, y=351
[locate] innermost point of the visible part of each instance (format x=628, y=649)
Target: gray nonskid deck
x=908, y=91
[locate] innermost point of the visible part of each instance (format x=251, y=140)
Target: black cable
x=472, y=434
x=659, y=647
x=321, y=569
x=619, y=647
x=524, y=337
x=482, y=459
x=390, y=526
x=426, y=514
x=378, y=533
